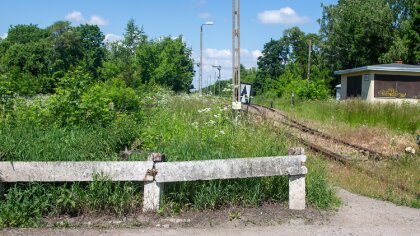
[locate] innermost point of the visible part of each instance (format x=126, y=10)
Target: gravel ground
x=358, y=216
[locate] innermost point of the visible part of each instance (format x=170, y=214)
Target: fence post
x=152, y=189
x=297, y=192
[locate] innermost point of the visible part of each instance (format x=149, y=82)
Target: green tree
x=356, y=32
x=23, y=34
x=92, y=47
x=121, y=55
x=168, y=62
x=133, y=36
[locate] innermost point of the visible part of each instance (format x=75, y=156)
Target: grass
x=404, y=171
x=182, y=127
x=396, y=117
x=368, y=122
x=26, y=204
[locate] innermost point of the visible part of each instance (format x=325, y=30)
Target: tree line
x=34, y=60
x=352, y=33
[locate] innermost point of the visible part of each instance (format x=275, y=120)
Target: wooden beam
x=230, y=168
x=73, y=171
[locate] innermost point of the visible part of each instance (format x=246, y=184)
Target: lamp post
x=201, y=56
x=219, y=67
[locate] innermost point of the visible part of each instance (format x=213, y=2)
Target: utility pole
x=309, y=60
x=200, y=82
x=214, y=84
x=219, y=68
x=236, y=55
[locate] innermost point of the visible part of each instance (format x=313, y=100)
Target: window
x=402, y=86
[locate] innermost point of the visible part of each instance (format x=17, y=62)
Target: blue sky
x=260, y=21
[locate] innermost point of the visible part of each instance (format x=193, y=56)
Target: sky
x=261, y=20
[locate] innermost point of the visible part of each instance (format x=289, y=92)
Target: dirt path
x=358, y=216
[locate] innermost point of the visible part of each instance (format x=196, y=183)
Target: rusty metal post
x=152, y=189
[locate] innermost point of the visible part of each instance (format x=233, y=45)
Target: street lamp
x=201, y=56
x=218, y=78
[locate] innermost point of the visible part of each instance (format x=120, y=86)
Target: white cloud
x=204, y=15
x=77, y=17
x=3, y=36
x=217, y=54
x=256, y=54
x=284, y=15
x=97, y=20
x=109, y=38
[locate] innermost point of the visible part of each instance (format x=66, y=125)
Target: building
x=385, y=82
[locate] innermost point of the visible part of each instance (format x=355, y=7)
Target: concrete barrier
x=154, y=173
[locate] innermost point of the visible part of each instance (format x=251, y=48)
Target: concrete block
x=151, y=196
x=297, y=193
x=230, y=168
x=74, y=171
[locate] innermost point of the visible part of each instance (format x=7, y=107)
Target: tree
x=92, y=47
x=275, y=56
x=404, y=43
x=133, y=36
x=67, y=44
x=25, y=34
x=121, y=62
x=356, y=32
x=167, y=62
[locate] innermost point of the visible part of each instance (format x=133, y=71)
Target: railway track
x=331, y=154
x=289, y=122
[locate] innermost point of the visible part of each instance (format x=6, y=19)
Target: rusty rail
x=332, y=155
x=297, y=125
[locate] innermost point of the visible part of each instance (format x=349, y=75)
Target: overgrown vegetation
x=395, y=117
x=399, y=172
x=65, y=94
x=182, y=127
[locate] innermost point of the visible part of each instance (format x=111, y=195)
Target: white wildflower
x=211, y=122
x=205, y=110
x=222, y=132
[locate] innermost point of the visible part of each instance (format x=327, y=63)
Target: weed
x=234, y=215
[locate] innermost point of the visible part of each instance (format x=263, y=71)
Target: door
x=354, y=86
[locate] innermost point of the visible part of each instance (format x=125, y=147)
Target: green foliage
x=319, y=193
x=396, y=117
x=188, y=128
x=24, y=34
x=104, y=101
x=26, y=204
x=356, y=32
x=184, y=128
x=167, y=61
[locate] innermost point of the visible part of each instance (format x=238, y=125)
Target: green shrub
x=103, y=101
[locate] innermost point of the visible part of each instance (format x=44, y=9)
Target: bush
x=104, y=101
x=291, y=82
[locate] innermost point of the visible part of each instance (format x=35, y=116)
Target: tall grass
x=182, y=127
x=397, y=117
x=28, y=142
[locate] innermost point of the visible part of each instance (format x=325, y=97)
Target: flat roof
x=392, y=67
